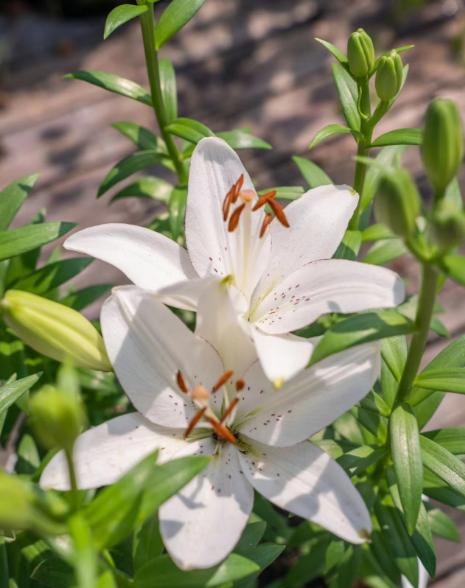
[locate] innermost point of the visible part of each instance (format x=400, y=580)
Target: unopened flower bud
x=442, y=149
x=57, y=417
x=397, y=204
x=389, y=76
x=55, y=330
x=360, y=53
x=447, y=227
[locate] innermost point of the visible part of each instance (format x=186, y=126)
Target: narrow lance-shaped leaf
x=377, y=232
x=83, y=298
x=9, y=393
x=348, y=95
x=335, y=52
x=18, y=241
x=176, y=15
x=443, y=379
x=454, y=266
x=142, y=137
x=12, y=197
x=240, y=139
x=190, y=130
x=114, y=84
x=332, y=130
x=441, y=525
x=177, y=211
x=168, y=89
x=383, y=252
x=284, y=192
x=85, y=560
x=452, y=439
x=399, y=137
x=312, y=173
x=146, y=187
x=442, y=463
x=394, y=351
x=120, y=15
x=349, y=246
x=128, y=166
x=406, y=455
x=386, y=158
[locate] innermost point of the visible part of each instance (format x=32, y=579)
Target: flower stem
x=147, y=21
x=429, y=284
x=76, y=501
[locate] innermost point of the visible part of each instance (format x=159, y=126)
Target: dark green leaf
x=394, y=352
x=147, y=543
x=26, y=263
x=386, y=158
x=359, y=329
x=251, y=537
x=383, y=252
x=443, y=379
x=188, y=129
x=452, y=439
x=147, y=187
x=177, y=211
x=442, y=463
x=312, y=173
x=307, y=568
x=399, y=137
x=349, y=246
x=51, y=276
x=441, y=525
x=334, y=52
x=406, y=455
x=113, y=83
x=19, y=241
x=85, y=297
x=373, y=402
x=142, y=137
x=439, y=490
x=348, y=95
x=120, y=15
x=234, y=567
x=331, y=130
x=240, y=139
x=12, y=197
x=375, y=424
x=9, y=393
x=177, y=14
x=168, y=89
x=54, y=573
x=128, y=166
x=357, y=460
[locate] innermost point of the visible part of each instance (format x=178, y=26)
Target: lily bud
x=389, y=76
x=398, y=204
x=442, y=149
x=360, y=53
x=57, y=417
x=55, y=330
x=447, y=227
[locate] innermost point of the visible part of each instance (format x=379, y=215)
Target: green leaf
x=442, y=463
x=399, y=137
x=147, y=187
x=251, y=537
x=334, y=52
x=359, y=329
x=454, y=266
x=85, y=556
x=147, y=542
x=397, y=538
x=142, y=137
x=128, y=166
x=394, y=351
x=377, y=232
x=453, y=194
x=285, y=192
x=9, y=393
x=114, y=84
x=312, y=173
x=308, y=567
x=190, y=130
x=168, y=89
x=438, y=490
x=331, y=130
x=235, y=567
x=240, y=139
x=19, y=241
x=386, y=158
x=373, y=423
x=452, y=439
x=406, y=455
x=383, y=252
x=397, y=50
x=348, y=95
x=177, y=211
x=85, y=297
x=441, y=525
x=443, y=379
x=357, y=460
x=121, y=14
x=177, y=14
x=12, y=198
x=28, y=456
x=26, y=263
x=349, y=246
x=373, y=402
x=54, y=573
x=51, y=276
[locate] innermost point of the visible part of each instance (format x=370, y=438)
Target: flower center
x=200, y=396
x=246, y=197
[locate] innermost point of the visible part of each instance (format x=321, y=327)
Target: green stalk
x=73, y=479
x=147, y=21
x=429, y=284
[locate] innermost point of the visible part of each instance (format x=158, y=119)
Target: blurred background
x=239, y=63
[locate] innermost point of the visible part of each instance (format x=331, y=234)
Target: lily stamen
x=237, y=188
x=279, y=212
x=194, y=421
x=240, y=385
x=222, y=381
x=229, y=410
x=266, y=221
x=235, y=217
x=181, y=382
x=264, y=200
x=227, y=202
x=221, y=431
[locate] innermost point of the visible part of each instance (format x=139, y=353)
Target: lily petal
x=147, y=345
x=282, y=356
x=185, y=294
x=146, y=257
x=330, y=285
x=309, y=402
x=103, y=454
x=305, y=481
x=215, y=168
x=202, y=524
x=318, y=221
x=220, y=321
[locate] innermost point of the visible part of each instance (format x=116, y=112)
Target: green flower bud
x=389, y=76
x=447, y=227
x=398, y=204
x=442, y=149
x=55, y=330
x=57, y=417
x=360, y=53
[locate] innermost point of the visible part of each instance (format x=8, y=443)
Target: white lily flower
x=282, y=269
x=257, y=437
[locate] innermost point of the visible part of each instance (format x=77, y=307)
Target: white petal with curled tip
x=282, y=356
x=318, y=221
x=215, y=168
x=103, y=454
x=321, y=287
x=201, y=524
x=185, y=294
x=305, y=481
x=311, y=401
x=147, y=344
x=220, y=321
x=146, y=257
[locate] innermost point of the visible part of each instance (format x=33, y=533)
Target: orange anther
x=264, y=200
x=266, y=221
x=229, y=410
x=221, y=431
x=227, y=203
x=235, y=217
x=237, y=188
x=224, y=378
x=194, y=421
x=279, y=212
x=181, y=382
x=240, y=385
